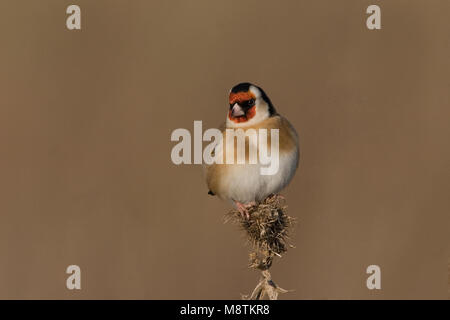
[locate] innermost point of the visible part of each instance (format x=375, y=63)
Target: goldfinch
x=242, y=183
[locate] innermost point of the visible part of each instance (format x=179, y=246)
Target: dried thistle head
x=267, y=230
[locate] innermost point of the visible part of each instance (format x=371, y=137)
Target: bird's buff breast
x=245, y=183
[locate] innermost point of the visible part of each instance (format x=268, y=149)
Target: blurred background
x=85, y=124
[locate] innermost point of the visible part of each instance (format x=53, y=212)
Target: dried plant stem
x=266, y=286
x=267, y=231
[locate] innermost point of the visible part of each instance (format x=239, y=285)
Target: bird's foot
x=243, y=208
x=250, y=204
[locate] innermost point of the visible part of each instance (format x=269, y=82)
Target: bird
x=242, y=183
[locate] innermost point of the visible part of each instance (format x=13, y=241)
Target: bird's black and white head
x=249, y=105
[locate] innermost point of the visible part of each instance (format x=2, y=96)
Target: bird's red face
x=242, y=106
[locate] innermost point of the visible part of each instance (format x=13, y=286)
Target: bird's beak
x=237, y=111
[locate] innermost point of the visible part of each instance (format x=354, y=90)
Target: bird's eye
x=251, y=102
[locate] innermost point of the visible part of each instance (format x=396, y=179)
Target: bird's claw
x=243, y=209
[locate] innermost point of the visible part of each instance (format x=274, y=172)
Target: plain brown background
x=85, y=121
